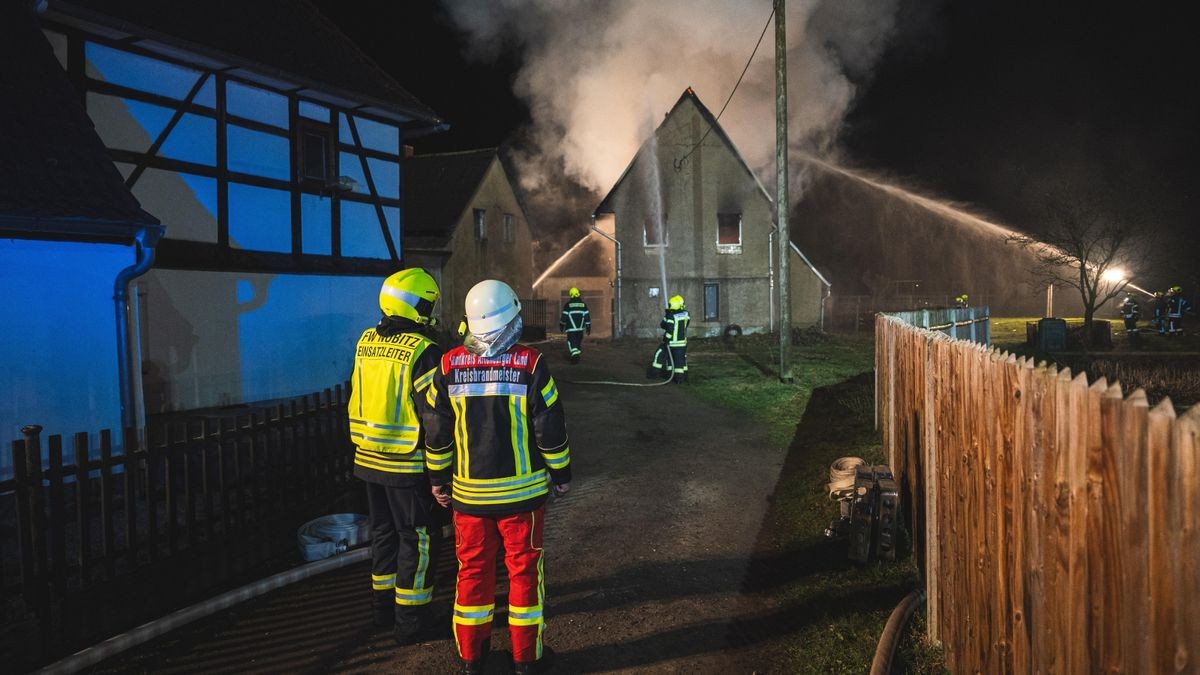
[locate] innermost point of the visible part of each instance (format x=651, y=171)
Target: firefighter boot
x=542, y=665
x=476, y=667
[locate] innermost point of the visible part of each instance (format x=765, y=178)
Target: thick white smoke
x=592, y=69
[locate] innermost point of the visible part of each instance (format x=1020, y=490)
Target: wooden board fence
x=1055, y=522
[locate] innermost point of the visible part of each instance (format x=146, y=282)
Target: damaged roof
x=438, y=188
x=688, y=95
x=56, y=178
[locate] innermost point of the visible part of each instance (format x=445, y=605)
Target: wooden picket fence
x=201, y=503
x=1055, y=521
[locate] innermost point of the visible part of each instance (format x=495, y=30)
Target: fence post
x=36, y=523
x=932, y=542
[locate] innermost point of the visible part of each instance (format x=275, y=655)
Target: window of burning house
x=654, y=231
x=480, y=224
x=712, y=302
x=510, y=234
x=729, y=232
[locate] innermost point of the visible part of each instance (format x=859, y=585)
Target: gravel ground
x=646, y=560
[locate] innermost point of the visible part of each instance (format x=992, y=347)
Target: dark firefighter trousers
x=664, y=364
x=575, y=342
x=406, y=536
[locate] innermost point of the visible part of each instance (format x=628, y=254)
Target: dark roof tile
x=438, y=187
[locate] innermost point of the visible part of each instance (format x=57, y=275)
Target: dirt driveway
x=646, y=557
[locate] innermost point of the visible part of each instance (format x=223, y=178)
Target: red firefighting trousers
x=478, y=539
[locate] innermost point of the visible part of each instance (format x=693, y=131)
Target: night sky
x=986, y=102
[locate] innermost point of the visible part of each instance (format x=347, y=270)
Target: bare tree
x=1089, y=246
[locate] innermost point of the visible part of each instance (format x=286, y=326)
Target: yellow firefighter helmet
x=410, y=294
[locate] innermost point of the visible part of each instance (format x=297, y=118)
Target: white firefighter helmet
x=491, y=305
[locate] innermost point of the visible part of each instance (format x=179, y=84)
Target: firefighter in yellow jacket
x=394, y=362
x=497, y=447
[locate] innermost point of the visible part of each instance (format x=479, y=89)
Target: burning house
x=689, y=217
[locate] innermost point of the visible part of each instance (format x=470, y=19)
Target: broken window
x=729, y=229
x=654, y=231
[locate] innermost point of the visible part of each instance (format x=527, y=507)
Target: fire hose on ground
x=324, y=540
x=885, y=651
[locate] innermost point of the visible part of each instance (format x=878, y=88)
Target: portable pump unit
x=870, y=508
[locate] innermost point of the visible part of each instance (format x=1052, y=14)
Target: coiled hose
x=841, y=475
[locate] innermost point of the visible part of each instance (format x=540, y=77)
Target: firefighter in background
x=1159, y=317
x=394, y=363
x=574, y=321
x=961, y=301
x=1177, y=306
x=496, y=450
x=1130, y=312
x=670, y=360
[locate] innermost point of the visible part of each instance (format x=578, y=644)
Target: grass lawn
x=827, y=413
x=1164, y=366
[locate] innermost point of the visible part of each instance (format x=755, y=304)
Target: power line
x=679, y=162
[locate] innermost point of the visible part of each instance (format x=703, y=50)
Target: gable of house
x=462, y=205
x=693, y=219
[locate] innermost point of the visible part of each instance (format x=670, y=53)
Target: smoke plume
x=598, y=73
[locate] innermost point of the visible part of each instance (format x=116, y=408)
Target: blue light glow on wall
x=361, y=234
x=146, y=74
x=316, y=222
x=377, y=136
x=258, y=153
x=300, y=337
x=313, y=111
x=60, y=364
x=350, y=165
x=256, y=104
x=386, y=176
x=259, y=218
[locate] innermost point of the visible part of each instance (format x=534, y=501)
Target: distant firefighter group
x=1168, y=310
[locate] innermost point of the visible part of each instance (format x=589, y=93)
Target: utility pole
x=781, y=195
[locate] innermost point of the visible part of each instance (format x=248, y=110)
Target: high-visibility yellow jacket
x=391, y=374
x=498, y=435
x=674, y=325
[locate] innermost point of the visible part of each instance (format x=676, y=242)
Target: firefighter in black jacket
x=1159, y=318
x=670, y=360
x=1177, y=306
x=1130, y=313
x=496, y=450
x=394, y=363
x=575, y=320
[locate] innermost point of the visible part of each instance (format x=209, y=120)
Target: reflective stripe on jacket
x=390, y=373
x=498, y=435
x=674, y=326
x=575, y=316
